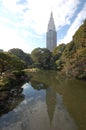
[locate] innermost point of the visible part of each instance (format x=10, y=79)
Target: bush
x=18, y=74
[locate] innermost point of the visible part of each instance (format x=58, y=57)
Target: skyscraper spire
x=51, y=36
x=51, y=24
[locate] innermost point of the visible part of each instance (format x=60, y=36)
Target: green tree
x=10, y=62
x=41, y=57
x=22, y=55
x=16, y=63
x=58, y=51
x=4, y=62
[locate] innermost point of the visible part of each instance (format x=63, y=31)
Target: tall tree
x=41, y=57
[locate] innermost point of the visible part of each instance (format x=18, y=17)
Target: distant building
x=51, y=35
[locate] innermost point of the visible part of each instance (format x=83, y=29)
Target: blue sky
x=23, y=23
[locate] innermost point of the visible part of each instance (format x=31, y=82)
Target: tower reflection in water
x=51, y=99
x=51, y=103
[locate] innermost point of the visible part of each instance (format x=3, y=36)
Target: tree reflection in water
x=10, y=99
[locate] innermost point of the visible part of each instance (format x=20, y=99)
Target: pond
x=47, y=102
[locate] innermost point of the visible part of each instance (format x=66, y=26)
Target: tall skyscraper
x=51, y=35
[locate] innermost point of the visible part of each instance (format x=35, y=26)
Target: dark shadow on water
x=10, y=99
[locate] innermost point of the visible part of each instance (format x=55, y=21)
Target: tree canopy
x=10, y=61
x=22, y=55
x=41, y=57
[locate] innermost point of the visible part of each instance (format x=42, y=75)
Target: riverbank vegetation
x=11, y=71
x=70, y=59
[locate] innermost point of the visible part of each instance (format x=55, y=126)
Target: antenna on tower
x=51, y=10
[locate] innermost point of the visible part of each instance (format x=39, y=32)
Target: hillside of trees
x=70, y=59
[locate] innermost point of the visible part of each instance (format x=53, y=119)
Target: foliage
x=42, y=58
x=10, y=62
x=81, y=52
x=58, y=51
x=69, y=49
x=79, y=37
x=72, y=60
x=18, y=74
x=22, y=55
x=4, y=64
x=16, y=63
x=13, y=79
x=59, y=64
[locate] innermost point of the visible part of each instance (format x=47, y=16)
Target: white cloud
x=64, y=11
x=12, y=5
x=9, y=39
x=31, y=18
x=38, y=13
x=78, y=21
x=5, y=20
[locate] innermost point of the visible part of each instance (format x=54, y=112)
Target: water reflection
x=47, y=102
x=38, y=85
x=72, y=91
x=57, y=114
x=51, y=103
x=50, y=97
x=10, y=99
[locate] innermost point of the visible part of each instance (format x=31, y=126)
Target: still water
x=47, y=102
